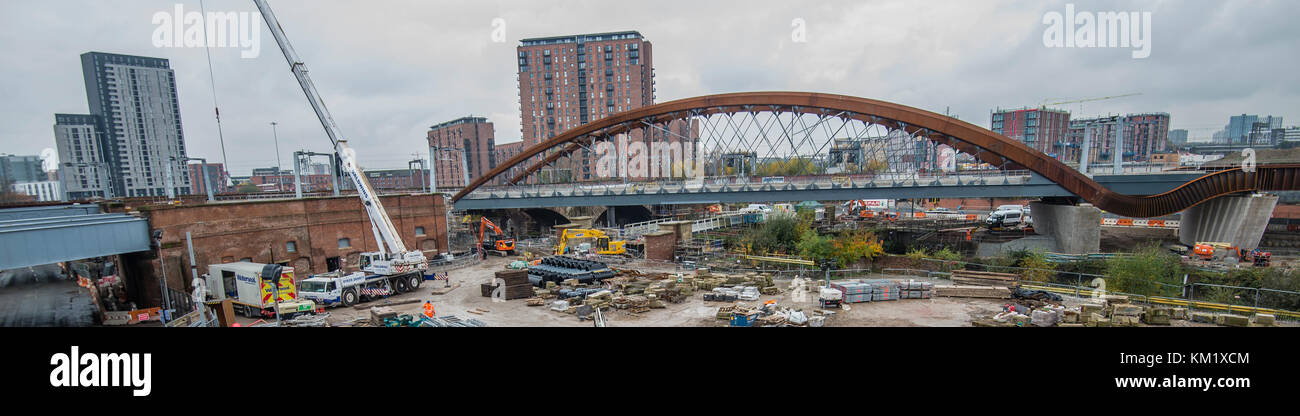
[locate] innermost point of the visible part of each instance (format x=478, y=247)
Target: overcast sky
x=389, y=69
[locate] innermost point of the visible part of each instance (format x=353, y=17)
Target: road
x=38, y=296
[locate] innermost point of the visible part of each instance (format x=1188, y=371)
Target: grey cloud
x=388, y=69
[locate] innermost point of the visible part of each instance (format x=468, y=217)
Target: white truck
x=253, y=297
x=338, y=289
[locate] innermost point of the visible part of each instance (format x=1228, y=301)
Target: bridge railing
x=743, y=183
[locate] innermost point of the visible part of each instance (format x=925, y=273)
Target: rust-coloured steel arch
x=988, y=146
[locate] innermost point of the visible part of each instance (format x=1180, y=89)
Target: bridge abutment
x=1075, y=229
x=1237, y=220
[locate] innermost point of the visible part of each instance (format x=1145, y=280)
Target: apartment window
x=345, y=243
x=291, y=247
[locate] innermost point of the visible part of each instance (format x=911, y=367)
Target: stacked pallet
x=516, y=284
x=855, y=291
x=916, y=290
x=956, y=291
x=975, y=278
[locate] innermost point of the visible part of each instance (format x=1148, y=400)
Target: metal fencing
x=1194, y=296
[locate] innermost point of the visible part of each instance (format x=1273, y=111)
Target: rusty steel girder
x=987, y=146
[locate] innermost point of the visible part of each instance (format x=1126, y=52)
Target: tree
x=849, y=248
x=813, y=246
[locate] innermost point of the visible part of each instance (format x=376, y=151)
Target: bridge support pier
x=1075, y=229
x=1236, y=220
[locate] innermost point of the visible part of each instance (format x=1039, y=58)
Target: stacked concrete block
x=1230, y=319
x=1263, y=319
x=1157, y=316
x=1203, y=317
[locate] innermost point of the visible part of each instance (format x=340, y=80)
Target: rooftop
x=590, y=37
x=462, y=120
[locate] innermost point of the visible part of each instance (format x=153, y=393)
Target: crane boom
x=1084, y=100
x=389, y=239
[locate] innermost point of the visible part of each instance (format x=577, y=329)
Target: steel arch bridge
x=824, y=132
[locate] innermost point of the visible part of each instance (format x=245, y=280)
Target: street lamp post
x=279, y=184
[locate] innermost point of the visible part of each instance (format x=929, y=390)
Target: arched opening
x=624, y=215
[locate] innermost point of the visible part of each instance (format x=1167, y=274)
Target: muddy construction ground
x=694, y=312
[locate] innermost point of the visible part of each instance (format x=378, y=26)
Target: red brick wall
x=1286, y=211
x=229, y=232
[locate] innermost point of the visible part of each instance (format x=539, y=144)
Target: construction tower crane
x=1086, y=100
x=392, y=257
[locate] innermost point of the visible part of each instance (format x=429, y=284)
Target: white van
x=1004, y=218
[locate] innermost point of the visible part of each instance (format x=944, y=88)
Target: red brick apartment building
x=467, y=137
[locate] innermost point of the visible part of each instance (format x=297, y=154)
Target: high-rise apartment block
x=1042, y=129
x=135, y=125
x=466, y=141
x=1144, y=135
x=21, y=169
x=567, y=81
x=213, y=175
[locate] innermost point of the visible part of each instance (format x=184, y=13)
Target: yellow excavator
x=601, y=245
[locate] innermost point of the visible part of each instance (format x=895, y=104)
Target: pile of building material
x=977, y=278
x=559, y=269
x=956, y=291
x=516, y=285
x=451, y=321
x=1125, y=314
x=379, y=313
x=855, y=291
x=1263, y=319
x=912, y=289
x=1158, y=315
x=1231, y=319
x=632, y=303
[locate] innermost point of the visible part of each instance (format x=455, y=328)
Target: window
x=290, y=247
x=419, y=230
x=345, y=243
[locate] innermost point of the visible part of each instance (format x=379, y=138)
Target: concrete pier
x=1237, y=220
x=1074, y=229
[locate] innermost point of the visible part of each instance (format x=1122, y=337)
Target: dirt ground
x=693, y=313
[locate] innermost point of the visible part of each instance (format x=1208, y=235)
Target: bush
x=779, y=234
x=951, y=259
x=916, y=257
x=1036, y=268
x=1145, y=271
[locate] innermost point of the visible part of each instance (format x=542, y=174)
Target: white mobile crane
x=391, y=269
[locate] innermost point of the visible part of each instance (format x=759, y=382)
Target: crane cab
x=394, y=263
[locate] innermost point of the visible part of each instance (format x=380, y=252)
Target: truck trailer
x=253, y=297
